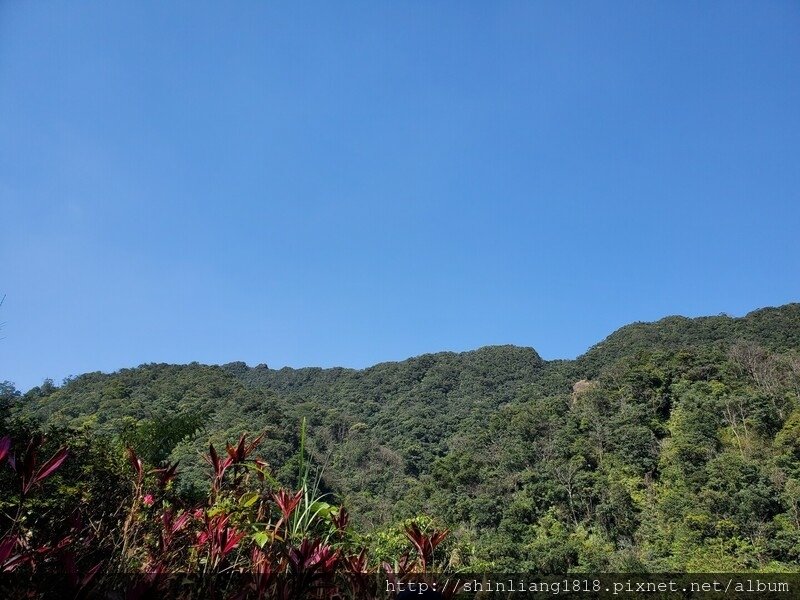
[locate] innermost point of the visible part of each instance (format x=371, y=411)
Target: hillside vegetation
x=679, y=449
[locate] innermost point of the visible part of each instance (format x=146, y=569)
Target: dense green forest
x=669, y=446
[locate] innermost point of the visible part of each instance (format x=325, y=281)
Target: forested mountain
x=672, y=445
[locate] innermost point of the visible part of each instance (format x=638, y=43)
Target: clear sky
x=350, y=183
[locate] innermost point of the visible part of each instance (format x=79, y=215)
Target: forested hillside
x=672, y=445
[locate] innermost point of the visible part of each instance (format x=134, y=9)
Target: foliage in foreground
x=270, y=541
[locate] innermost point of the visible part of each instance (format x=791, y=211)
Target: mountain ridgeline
x=672, y=445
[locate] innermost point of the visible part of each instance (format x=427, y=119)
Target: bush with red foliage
x=249, y=538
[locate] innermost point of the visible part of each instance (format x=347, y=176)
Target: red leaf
x=8, y=562
x=180, y=522
x=89, y=575
x=6, y=548
x=29, y=461
x=341, y=519
x=232, y=452
x=166, y=474
x=252, y=445
x=230, y=539
x=29, y=478
x=219, y=466
x=286, y=502
x=212, y=458
x=5, y=445
x=425, y=545
x=202, y=538
x=51, y=465
x=240, y=448
x=14, y=562
x=136, y=463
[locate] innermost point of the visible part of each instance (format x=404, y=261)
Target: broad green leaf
x=248, y=499
x=261, y=538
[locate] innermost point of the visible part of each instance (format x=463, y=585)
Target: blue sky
x=349, y=183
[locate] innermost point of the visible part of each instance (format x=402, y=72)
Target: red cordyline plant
x=218, y=539
x=28, y=468
x=16, y=548
x=164, y=475
x=425, y=543
x=243, y=449
x=219, y=466
x=287, y=503
x=237, y=457
x=421, y=568
x=29, y=471
x=311, y=565
x=285, y=543
x=170, y=526
x=249, y=525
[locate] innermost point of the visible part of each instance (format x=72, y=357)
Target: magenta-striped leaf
x=5, y=446
x=49, y=467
